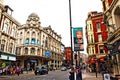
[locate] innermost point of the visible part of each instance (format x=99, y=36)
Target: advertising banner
x=78, y=39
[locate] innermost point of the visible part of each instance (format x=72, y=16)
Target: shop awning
x=102, y=59
x=91, y=61
x=33, y=61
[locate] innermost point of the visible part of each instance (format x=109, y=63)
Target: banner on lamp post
x=78, y=39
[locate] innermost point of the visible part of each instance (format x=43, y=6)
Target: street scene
x=53, y=75
x=60, y=40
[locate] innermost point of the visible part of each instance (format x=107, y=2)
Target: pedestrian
x=18, y=70
x=79, y=73
x=35, y=72
x=71, y=73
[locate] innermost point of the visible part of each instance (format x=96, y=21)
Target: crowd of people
x=12, y=70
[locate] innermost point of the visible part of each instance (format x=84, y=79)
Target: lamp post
x=71, y=31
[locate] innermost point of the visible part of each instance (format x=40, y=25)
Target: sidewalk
x=91, y=76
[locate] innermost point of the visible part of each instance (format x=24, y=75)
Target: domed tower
x=33, y=20
x=29, y=46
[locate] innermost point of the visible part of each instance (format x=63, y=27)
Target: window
x=33, y=33
x=101, y=49
x=20, y=33
x=90, y=27
x=9, y=11
x=20, y=41
x=99, y=37
x=10, y=47
x=26, y=50
x=38, y=51
x=5, y=28
x=98, y=26
x=38, y=42
x=27, y=41
x=32, y=50
x=2, y=45
x=13, y=31
x=28, y=33
x=33, y=41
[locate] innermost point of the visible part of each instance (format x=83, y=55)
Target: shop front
x=6, y=60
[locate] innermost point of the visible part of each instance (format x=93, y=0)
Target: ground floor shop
x=29, y=62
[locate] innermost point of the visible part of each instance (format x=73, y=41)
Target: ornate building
x=38, y=45
x=111, y=10
x=54, y=46
x=8, y=30
x=96, y=33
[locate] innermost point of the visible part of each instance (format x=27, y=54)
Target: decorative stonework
x=33, y=20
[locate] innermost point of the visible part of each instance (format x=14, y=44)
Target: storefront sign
x=8, y=57
x=12, y=58
x=4, y=57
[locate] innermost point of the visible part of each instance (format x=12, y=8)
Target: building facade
x=68, y=55
x=111, y=10
x=96, y=33
x=54, y=46
x=37, y=45
x=8, y=33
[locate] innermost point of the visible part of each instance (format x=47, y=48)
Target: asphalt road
x=52, y=75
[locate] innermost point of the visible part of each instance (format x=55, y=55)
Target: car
x=50, y=68
x=63, y=68
x=41, y=70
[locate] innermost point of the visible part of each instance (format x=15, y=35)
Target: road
x=52, y=75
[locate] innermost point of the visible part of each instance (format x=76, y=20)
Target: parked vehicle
x=41, y=70
x=63, y=68
x=50, y=68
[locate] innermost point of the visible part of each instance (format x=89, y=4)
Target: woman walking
x=71, y=73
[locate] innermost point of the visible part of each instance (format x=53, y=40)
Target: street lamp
x=71, y=31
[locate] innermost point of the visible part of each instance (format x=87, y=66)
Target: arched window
x=38, y=42
x=26, y=50
x=2, y=45
x=28, y=33
x=5, y=28
x=32, y=50
x=27, y=41
x=33, y=41
x=13, y=32
x=33, y=33
x=10, y=47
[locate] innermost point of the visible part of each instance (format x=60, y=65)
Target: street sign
x=47, y=54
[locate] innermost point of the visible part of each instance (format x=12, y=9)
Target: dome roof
x=33, y=15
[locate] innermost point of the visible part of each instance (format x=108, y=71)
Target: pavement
x=91, y=76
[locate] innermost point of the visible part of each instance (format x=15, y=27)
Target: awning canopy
x=33, y=61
